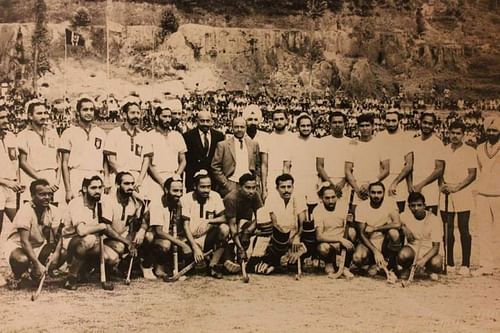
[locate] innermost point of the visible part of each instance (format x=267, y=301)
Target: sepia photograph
x=250, y=166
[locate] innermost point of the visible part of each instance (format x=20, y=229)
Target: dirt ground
x=267, y=304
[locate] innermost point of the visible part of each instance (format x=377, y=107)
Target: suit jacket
x=195, y=157
x=224, y=161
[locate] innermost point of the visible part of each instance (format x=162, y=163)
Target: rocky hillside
x=455, y=45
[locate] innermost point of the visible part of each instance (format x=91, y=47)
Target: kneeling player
x=205, y=228
x=424, y=232
x=165, y=213
x=378, y=219
x=287, y=213
x=35, y=236
x=83, y=222
x=241, y=207
x=330, y=220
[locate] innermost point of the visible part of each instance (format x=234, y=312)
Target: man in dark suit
x=234, y=157
x=201, y=142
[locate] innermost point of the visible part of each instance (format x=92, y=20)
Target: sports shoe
x=232, y=267
x=329, y=268
x=70, y=283
x=464, y=271
x=434, y=277
x=160, y=271
x=451, y=270
x=14, y=283
x=373, y=270
x=347, y=273
x=148, y=273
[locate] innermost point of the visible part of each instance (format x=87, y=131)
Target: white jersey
x=85, y=148
x=279, y=147
x=331, y=222
x=166, y=150
x=458, y=162
x=425, y=154
x=128, y=149
x=8, y=156
x=335, y=153
x=395, y=147
x=41, y=151
x=366, y=158
x=426, y=231
x=376, y=217
x=286, y=215
x=489, y=169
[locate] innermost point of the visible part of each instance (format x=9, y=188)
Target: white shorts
x=306, y=187
x=7, y=198
x=424, y=248
x=152, y=189
x=460, y=201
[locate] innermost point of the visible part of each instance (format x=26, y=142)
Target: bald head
x=204, y=121
x=239, y=127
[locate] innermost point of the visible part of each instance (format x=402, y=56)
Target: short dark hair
x=283, y=178
x=365, y=118
x=81, y=101
x=199, y=177
x=31, y=107
x=376, y=184
x=337, y=114
x=457, y=124
x=120, y=175
x=279, y=111
x=428, y=114
x=87, y=181
x=159, y=109
x=416, y=196
x=393, y=112
x=127, y=105
x=168, y=183
x=37, y=182
x=246, y=177
x=323, y=189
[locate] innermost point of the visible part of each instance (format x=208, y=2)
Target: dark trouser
x=465, y=237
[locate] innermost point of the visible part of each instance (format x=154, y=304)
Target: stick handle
x=446, y=208
x=187, y=268
x=102, y=265
x=176, y=250
x=130, y=268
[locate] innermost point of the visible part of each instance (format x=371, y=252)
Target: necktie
x=241, y=143
x=205, y=143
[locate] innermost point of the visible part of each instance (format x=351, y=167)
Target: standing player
x=367, y=164
x=395, y=144
x=423, y=233
x=38, y=156
x=333, y=154
x=81, y=147
x=330, y=220
x=459, y=173
x=428, y=162
x=127, y=147
x=203, y=213
x=9, y=180
x=279, y=143
x=253, y=117
x=169, y=152
x=378, y=220
x=488, y=197
x=303, y=160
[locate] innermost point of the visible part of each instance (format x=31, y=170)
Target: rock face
x=361, y=56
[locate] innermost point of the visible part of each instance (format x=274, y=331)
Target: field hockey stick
x=413, y=267
x=184, y=270
x=446, y=214
x=174, y=220
x=343, y=252
x=102, y=266
x=57, y=237
x=244, y=273
x=127, y=280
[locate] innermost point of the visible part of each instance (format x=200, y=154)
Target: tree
x=19, y=57
x=168, y=23
x=81, y=17
x=40, y=41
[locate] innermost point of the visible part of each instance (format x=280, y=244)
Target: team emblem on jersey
x=12, y=153
x=97, y=143
x=138, y=150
